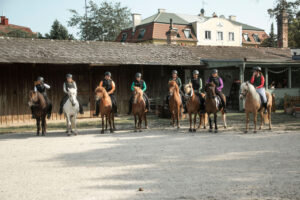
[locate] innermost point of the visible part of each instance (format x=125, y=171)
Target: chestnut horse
x=193, y=107
x=212, y=106
x=175, y=103
x=139, y=109
x=37, y=100
x=105, y=108
x=253, y=105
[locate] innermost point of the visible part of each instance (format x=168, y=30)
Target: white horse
x=71, y=109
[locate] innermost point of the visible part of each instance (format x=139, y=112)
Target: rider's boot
x=97, y=109
x=60, y=110
x=130, y=108
x=81, y=109
x=266, y=108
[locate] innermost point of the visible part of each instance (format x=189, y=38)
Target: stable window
x=208, y=35
x=124, y=37
x=220, y=35
x=187, y=33
x=246, y=37
x=142, y=33
x=231, y=36
x=256, y=38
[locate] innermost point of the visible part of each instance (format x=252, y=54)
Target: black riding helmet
x=107, y=74
x=214, y=71
x=196, y=72
x=69, y=76
x=174, y=72
x=40, y=79
x=138, y=75
x=257, y=68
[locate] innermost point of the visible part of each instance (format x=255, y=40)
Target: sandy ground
x=165, y=163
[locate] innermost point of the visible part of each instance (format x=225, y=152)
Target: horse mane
x=102, y=90
x=40, y=99
x=251, y=90
x=174, y=84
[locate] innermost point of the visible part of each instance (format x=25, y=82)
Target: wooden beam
x=242, y=79
x=267, y=77
x=290, y=77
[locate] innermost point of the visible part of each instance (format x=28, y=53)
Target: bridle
x=244, y=94
x=188, y=96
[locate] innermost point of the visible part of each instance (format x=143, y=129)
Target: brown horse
x=105, y=108
x=212, y=106
x=139, y=109
x=253, y=105
x=38, y=102
x=175, y=103
x=193, y=107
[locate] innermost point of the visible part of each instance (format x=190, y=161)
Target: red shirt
x=262, y=81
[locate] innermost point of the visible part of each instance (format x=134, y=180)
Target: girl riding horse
x=139, y=108
x=175, y=103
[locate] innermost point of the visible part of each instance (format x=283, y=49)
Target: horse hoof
x=190, y=130
x=37, y=134
x=194, y=130
x=245, y=132
x=225, y=127
x=43, y=134
x=102, y=132
x=204, y=127
x=111, y=131
x=146, y=127
x=135, y=130
x=210, y=130
x=75, y=133
x=254, y=131
x=140, y=130
x=216, y=131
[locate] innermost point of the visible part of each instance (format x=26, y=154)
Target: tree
x=294, y=32
x=102, y=22
x=271, y=41
x=290, y=7
x=59, y=32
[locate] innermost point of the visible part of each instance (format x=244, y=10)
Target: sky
x=40, y=14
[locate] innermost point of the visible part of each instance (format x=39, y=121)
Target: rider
x=68, y=84
x=138, y=82
x=219, y=86
x=41, y=87
x=110, y=88
x=258, y=80
x=197, y=87
x=179, y=84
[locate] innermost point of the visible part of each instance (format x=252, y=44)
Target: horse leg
x=68, y=125
x=102, y=118
x=269, y=117
x=195, y=120
x=146, y=122
x=224, y=119
x=113, y=120
x=74, y=122
x=255, y=120
x=190, y=117
x=135, y=123
x=210, y=123
x=261, y=120
x=173, y=119
x=247, y=122
x=215, y=121
x=43, y=125
x=140, y=122
x=110, y=123
x=178, y=117
x=106, y=124
x=38, y=126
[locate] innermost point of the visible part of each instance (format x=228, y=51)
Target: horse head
x=244, y=90
x=188, y=90
x=99, y=93
x=173, y=88
x=137, y=94
x=210, y=89
x=33, y=98
x=72, y=93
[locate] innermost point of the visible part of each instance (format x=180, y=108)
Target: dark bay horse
x=38, y=102
x=175, y=103
x=105, y=108
x=139, y=109
x=212, y=106
x=193, y=107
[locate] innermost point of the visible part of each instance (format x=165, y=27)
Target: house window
x=246, y=37
x=220, y=35
x=142, y=33
x=231, y=36
x=178, y=35
x=124, y=37
x=208, y=35
x=187, y=33
x=256, y=38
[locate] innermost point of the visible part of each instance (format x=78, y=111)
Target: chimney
x=171, y=34
x=4, y=21
x=282, y=27
x=161, y=10
x=232, y=18
x=136, y=20
x=215, y=15
x=202, y=12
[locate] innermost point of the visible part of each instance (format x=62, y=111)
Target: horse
x=37, y=100
x=175, y=104
x=253, y=105
x=105, y=108
x=139, y=109
x=212, y=106
x=193, y=107
x=71, y=109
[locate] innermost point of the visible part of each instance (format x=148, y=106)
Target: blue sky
x=40, y=14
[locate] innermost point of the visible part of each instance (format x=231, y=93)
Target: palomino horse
x=175, y=103
x=71, y=109
x=212, y=106
x=139, y=109
x=253, y=105
x=193, y=106
x=37, y=100
x=105, y=108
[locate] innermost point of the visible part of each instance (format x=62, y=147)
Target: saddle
x=218, y=102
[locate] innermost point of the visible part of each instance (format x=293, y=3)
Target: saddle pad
x=218, y=101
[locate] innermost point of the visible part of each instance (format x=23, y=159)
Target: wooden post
x=242, y=71
x=267, y=78
x=290, y=78
x=91, y=91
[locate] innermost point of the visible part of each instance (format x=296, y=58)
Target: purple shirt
x=221, y=83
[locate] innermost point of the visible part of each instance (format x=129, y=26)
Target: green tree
x=291, y=7
x=271, y=41
x=59, y=32
x=294, y=32
x=102, y=22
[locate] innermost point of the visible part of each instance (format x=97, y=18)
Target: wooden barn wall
x=16, y=80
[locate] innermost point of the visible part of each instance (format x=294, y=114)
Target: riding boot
x=32, y=111
x=81, y=109
x=97, y=109
x=49, y=110
x=202, y=105
x=62, y=103
x=167, y=100
x=223, y=105
x=266, y=108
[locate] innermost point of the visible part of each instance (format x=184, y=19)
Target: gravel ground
x=165, y=164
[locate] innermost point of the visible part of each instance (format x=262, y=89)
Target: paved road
x=165, y=164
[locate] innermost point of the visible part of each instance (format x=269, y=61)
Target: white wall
x=214, y=25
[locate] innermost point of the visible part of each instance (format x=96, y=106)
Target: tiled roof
x=246, y=26
x=18, y=50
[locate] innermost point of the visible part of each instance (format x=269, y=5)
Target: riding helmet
x=174, y=72
x=196, y=72
x=69, y=76
x=107, y=74
x=40, y=79
x=214, y=71
x=257, y=68
x=138, y=75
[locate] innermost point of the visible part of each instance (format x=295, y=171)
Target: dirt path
x=166, y=164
